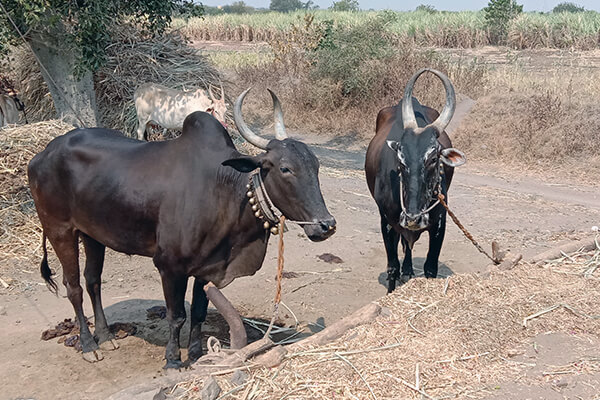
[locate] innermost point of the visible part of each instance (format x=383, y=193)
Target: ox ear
x=453, y=157
x=392, y=144
x=244, y=163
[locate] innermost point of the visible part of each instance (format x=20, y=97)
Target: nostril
x=328, y=224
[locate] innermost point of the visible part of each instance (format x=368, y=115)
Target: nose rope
x=431, y=207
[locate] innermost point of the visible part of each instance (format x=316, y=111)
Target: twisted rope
x=280, y=261
x=465, y=231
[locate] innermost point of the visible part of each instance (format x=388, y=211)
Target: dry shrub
x=341, y=77
x=461, y=333
x=532, y=129
x=133, y=59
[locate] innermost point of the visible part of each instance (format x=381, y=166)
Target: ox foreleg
x=390, y=240
x=174, y=286
x=198, y=316
x=142, y=128
x=436, y=238
x=407, y=263
x=94, y=262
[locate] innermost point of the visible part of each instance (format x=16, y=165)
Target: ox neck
x=261, y=203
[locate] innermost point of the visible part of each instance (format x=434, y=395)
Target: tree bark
x=74, y=96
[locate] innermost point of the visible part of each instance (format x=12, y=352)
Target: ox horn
x=210, y=93
x=280, y=132
x=246, y=132
x=409, y=120
x=222, y=92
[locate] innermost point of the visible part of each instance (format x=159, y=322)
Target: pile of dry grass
x=20, y=232
x=133, y=59
x=30, y=84
x=454, y=338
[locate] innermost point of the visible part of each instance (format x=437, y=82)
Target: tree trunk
x=74, y=97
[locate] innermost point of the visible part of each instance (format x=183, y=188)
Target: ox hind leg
x=66, y=246
x=198, y=311
x=390, y=240
x=94, y=262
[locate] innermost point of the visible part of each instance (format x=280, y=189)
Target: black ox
x=409, y=161
x=189, y=203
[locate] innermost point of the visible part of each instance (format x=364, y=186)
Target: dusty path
x=522, y=213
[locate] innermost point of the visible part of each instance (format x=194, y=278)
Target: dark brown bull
x=409, y=161
x=186, y=203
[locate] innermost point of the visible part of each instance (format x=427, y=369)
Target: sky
x=448, y=5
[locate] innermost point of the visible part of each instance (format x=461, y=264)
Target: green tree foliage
x=345, y=5
x=426, y=8
x=286, y=5
x=238, y=7
x=70, y=38
x=83, y=26
x=345, y=55
x=498, y=15
x=568, y=7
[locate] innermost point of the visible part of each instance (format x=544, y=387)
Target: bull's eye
x=431, y=162
x=285, y=170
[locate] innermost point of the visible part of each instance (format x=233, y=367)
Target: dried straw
x=442, y=338
x=20, y=232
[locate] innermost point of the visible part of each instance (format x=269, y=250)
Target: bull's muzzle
x=320, y=230
x=414, y=222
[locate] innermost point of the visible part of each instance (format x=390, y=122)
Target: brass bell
x=255, y=207
x=248, y=186
x=249, y=194
x=252, y=200
x=257, y=214
x=266, y=225
x=275, y=230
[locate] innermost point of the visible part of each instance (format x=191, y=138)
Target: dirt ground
x=523, y=213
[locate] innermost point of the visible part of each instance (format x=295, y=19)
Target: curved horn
x=246, y=133
x=222, y=92
x=448, y=112
x=210, y=93
x=408, y=115
x=280, y=132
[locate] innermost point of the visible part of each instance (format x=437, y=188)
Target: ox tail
x=45, y=268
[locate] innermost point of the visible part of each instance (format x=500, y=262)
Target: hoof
x=109, y=345
x=93, y=356
x=405, y=278
x=174, y=364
